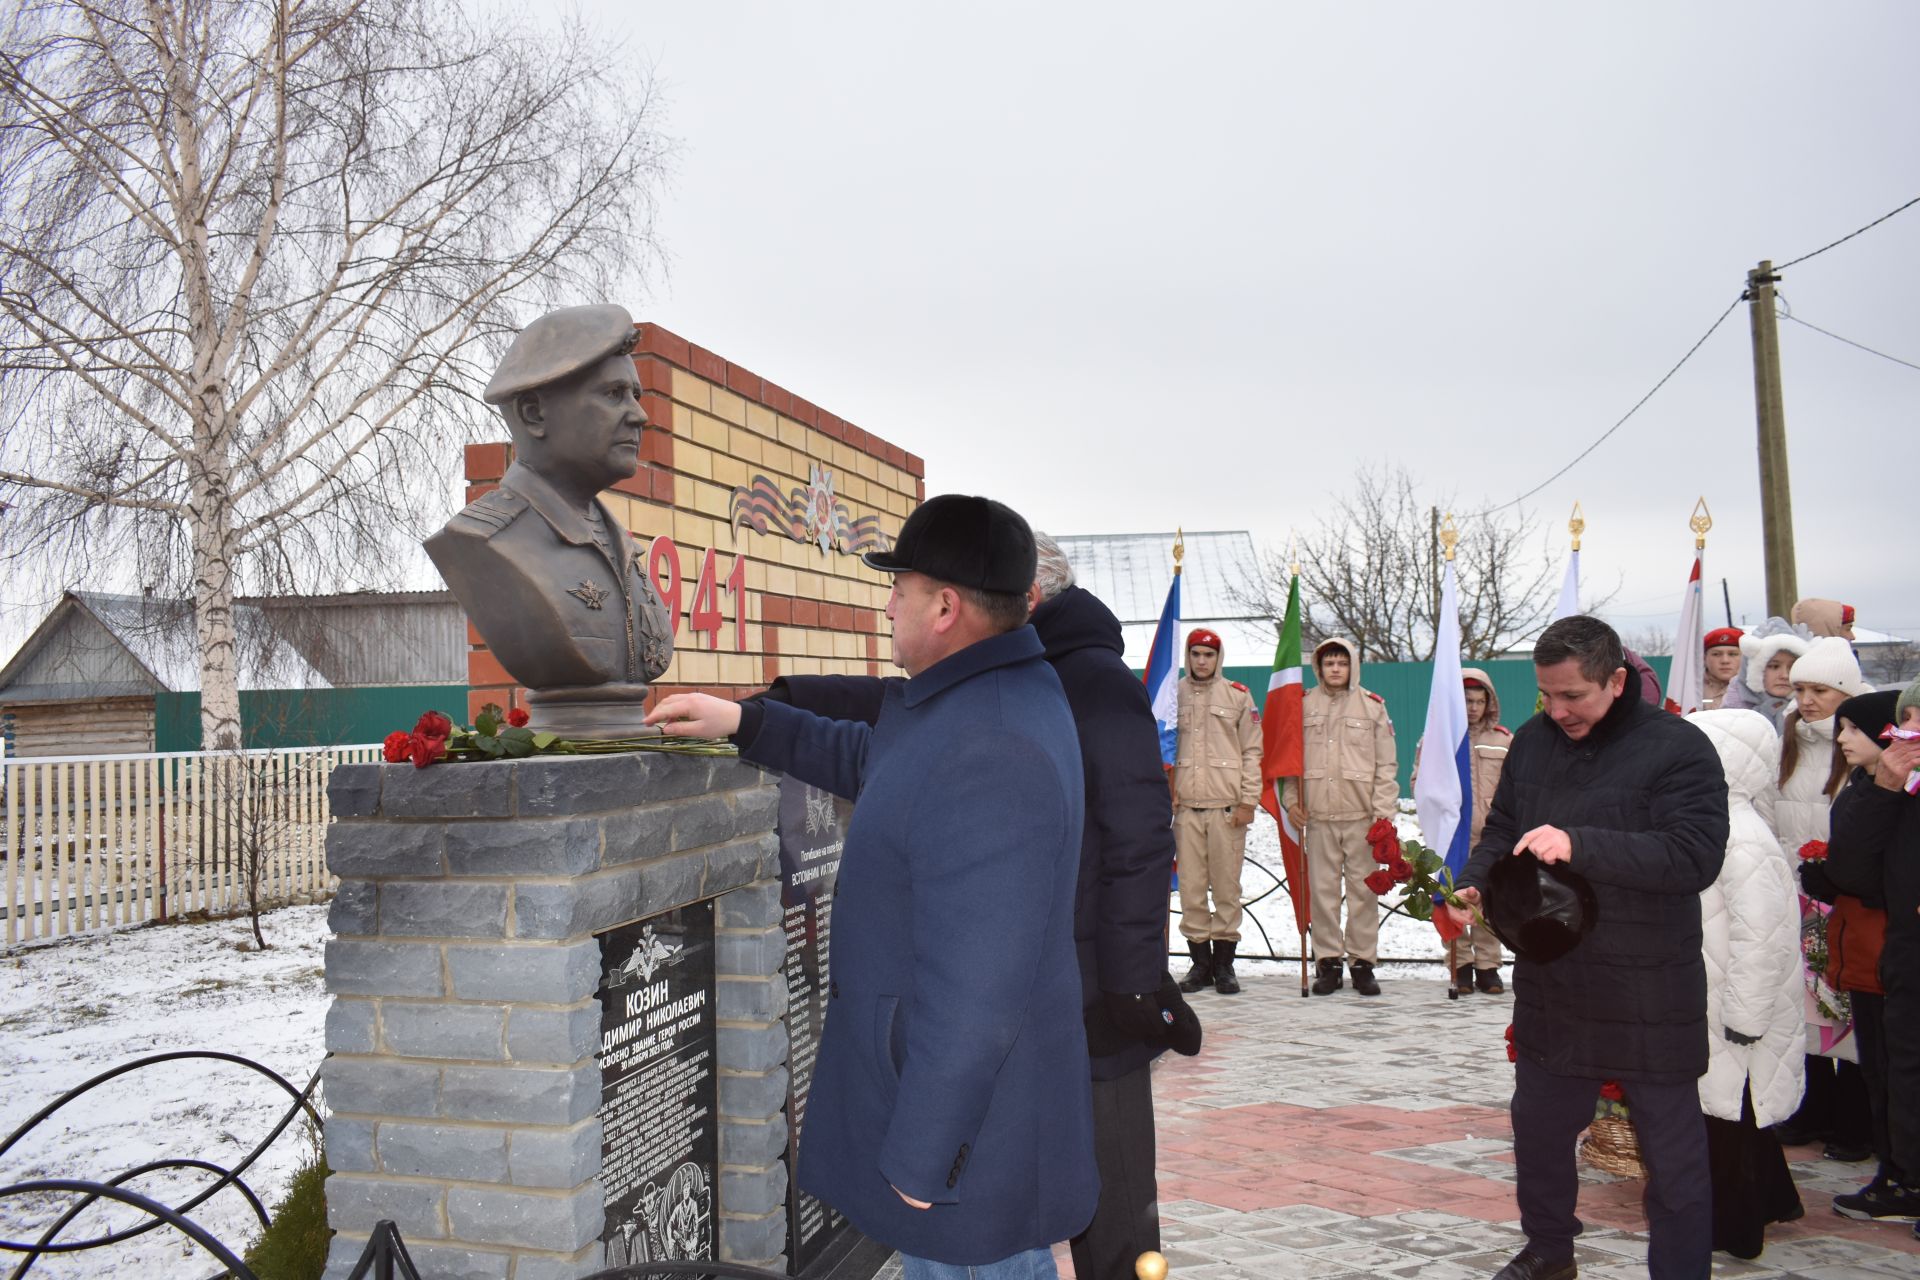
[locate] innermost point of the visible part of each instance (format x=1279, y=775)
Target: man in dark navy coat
x=1131, y=1006
x=951, y=1108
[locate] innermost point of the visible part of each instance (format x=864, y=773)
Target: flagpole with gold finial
x=1700, y=522
x=1179, y=660
x=1449, y=539
x=1576, y=525
x=1293, y=564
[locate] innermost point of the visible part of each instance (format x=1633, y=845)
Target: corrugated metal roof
x=95, y=644
x=1220, y=573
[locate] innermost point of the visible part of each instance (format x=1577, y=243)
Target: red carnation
x=425, y=750
x=518, y=717
x=1813, y=851
x=1380, y=881
x=433, y=725
x=1612, y=1091
x=1513, y=1054
x=398, y=747
x=1400, y=869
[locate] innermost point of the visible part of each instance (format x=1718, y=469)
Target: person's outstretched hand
x=696, y=715
x=1462, y=917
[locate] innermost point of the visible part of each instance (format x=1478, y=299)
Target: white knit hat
x=1759, y=651
x=1829, y=661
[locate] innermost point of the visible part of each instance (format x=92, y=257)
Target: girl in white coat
x=1812, y=770
x=1750, y=930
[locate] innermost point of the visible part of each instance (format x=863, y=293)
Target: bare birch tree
x=256, y=257
x=1371, y=572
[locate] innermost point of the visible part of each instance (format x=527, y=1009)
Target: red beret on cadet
x=1200, y=635
x=1723, y=637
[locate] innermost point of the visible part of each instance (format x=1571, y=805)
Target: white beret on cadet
x=558, y=345
x=1829, y=661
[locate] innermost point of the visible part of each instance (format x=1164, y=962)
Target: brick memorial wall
x=737, y=478
x=559, y=1034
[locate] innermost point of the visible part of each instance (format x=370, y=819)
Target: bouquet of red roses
x=1425, y=874
x=504, y=735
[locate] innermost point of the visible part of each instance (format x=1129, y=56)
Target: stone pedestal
x=462, y=1086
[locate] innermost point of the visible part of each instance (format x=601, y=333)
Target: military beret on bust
x=559, y=344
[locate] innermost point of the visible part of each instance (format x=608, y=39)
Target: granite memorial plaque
x=812, y=827
x=659, y=1099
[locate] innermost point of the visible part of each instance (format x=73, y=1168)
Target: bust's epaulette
x=489, y=513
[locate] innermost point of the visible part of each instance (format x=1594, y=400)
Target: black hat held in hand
x=1541, y=910
x=966, y=542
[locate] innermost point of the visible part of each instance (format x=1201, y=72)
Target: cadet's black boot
x=1223, y=980
x=1489, y=981
x=1363, y=978
x=1201, y=975
x=1463, y=980
x=1326, y=977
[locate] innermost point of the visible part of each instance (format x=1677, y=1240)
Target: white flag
x=1685, y=678
x=1569, y=589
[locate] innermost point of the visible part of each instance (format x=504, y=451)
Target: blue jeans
x=1034, y=1264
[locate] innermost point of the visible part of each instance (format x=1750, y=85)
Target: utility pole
x=1776, y=494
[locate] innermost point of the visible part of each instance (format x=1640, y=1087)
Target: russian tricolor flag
x=1163, y=670
x=1444, y=796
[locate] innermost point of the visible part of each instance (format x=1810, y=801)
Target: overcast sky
x=1129, y=266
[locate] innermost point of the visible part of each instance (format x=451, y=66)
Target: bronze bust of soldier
x=551, y=581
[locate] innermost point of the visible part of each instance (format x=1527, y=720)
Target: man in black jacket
x=1128, y=1000
x=1634, y=800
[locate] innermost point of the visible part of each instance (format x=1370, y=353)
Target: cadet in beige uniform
x=1474, y=956
x=1216, y=783
x=1349, y=783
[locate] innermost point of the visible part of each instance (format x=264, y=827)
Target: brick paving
x=1341, y=1138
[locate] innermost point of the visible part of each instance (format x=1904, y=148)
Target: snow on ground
x=1401, y=937
x=72, y=1009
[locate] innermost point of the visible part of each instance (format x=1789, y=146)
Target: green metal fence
x=309, y=717
x=1405, y=686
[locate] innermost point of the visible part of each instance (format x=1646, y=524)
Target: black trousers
x=1836, y=1106
x=1870, y=1035
x=1127, y=1222
x=1901, y=1027
x=1549, y=1112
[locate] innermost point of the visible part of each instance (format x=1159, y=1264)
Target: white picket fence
x=92, y=842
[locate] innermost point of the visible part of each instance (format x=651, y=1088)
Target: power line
x=1788, y=315
x=1628, y=414
x=1850, y=235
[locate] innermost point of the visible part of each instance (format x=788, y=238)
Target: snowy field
x=72, y=1009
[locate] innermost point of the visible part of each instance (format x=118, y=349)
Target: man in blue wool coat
x=951, y=1113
